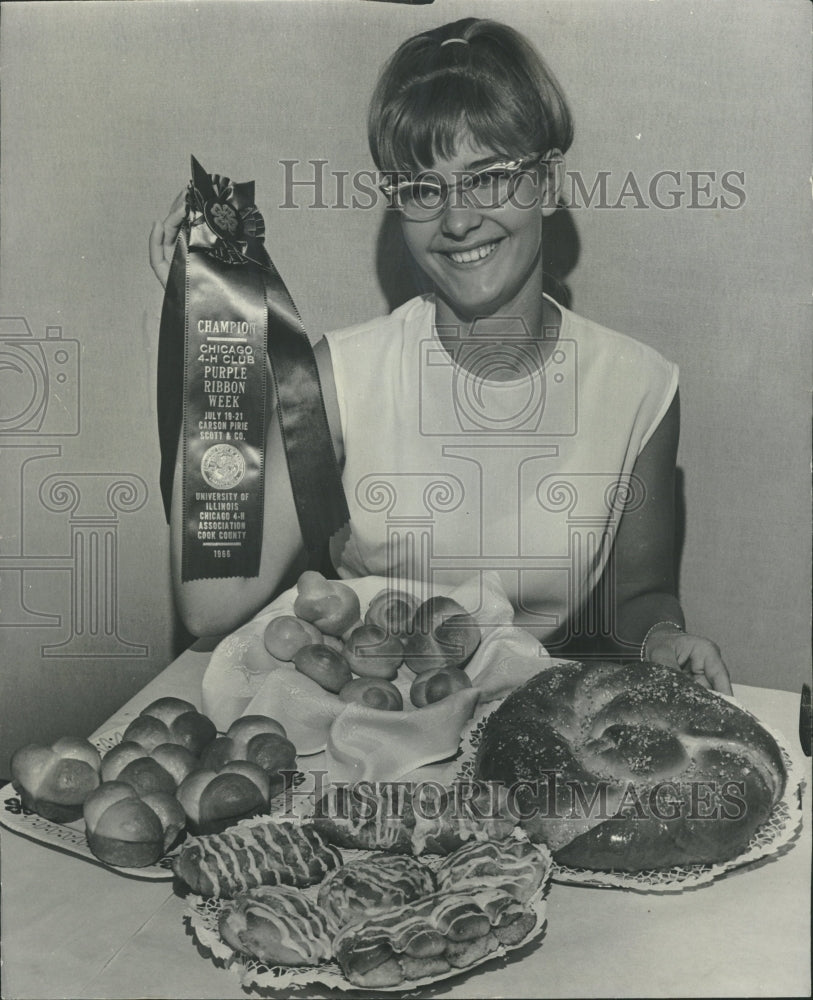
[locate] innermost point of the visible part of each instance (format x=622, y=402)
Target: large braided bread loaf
x=631, y=767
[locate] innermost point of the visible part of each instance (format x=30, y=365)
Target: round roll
x=161, y=769
x=435, y=685
x=631, y=767
x=330, y=605
x=214, y=801
x=171, y=720
x=324, y=665
x=372, y=652
x=374, y=692
x=259, y=740
x=55, y=781
x=443, y=634
x=128, y=829
x=286, y=634
x=392, y=611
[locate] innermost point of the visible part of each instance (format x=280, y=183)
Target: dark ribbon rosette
x=223, y=219
x=226, y=309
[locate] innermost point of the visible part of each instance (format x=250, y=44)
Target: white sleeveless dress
x=451, y=473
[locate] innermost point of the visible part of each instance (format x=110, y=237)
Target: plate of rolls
x=129, y=797
x=281, y=903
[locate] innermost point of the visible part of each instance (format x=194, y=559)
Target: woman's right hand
x=163, y=236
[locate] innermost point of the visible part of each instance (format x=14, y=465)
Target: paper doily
x=202, y=920
x=775, y=835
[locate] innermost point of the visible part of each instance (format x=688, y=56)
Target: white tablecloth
x=72, y=929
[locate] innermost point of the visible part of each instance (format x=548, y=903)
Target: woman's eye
x=424, y=195
x=486, y=189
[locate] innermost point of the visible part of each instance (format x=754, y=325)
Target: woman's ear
x=553, y=176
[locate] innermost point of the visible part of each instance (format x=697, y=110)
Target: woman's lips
x=474, y=255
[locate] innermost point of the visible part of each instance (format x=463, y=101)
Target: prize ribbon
x=226, y=309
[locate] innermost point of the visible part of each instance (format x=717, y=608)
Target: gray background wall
x=102, y=105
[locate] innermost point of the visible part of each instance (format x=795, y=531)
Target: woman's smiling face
x=481, y=259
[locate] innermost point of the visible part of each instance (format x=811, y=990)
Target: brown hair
x=490, y=80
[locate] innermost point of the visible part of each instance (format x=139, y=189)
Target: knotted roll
x=171, y=720
x=442, y=931
x=247, y=856
x=55, y=781
x=631, y=767
x=278, y=926
x=364, y=888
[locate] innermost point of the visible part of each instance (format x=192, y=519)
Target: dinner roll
x=374, y=692
x=328, y=604
x=371, y=652
x=324, y=665
x=54, y=781
x=129, y=830
x=171, y=720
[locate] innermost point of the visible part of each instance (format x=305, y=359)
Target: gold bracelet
x=652, y=629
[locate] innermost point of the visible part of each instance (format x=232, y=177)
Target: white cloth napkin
x=362, y=742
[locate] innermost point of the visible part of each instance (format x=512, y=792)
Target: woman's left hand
x=693, y=654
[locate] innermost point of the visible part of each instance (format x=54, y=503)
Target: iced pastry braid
x=374, y=885
x=431, y=936
x=247, y=856
x=277, y=925
x=413, y=819
x=516, y=866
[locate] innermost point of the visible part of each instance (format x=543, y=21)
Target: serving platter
x=772, y=838
x=775, y=835
x=70, y=837
x=255, y=977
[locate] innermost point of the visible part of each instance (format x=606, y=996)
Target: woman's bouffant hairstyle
x=490, y=81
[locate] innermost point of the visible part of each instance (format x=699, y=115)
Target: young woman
x=484, y=426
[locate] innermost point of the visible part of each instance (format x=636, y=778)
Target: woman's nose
x=459, y=217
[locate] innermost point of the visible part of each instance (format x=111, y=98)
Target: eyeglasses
x=426, y=196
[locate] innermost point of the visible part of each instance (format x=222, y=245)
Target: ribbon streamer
x=221, y=272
